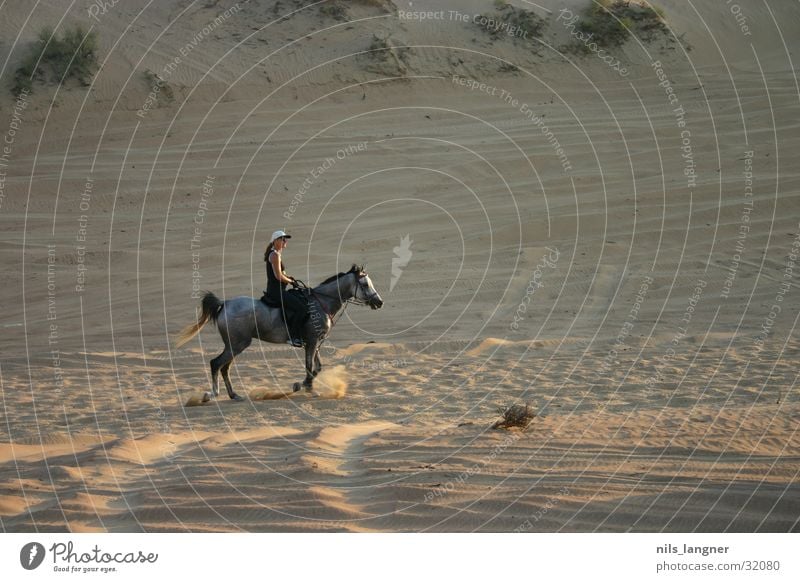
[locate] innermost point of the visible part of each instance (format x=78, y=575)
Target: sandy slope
x=666, y=397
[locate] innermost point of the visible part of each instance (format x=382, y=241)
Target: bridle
x=334, y=318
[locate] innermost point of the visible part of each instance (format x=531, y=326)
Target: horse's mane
x=354, y=269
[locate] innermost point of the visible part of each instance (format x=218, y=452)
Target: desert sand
x=620, y=251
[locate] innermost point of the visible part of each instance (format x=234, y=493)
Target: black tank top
x=274, y=287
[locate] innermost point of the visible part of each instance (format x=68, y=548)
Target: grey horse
x=241, y=319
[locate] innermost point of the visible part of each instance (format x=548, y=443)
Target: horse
x=242, y=319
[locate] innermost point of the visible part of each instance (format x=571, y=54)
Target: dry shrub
x=516, y=415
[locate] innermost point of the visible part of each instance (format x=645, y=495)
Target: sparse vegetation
x=338, y=9
x=334, y=10
x=56, y=59
x=386, y=56
x=379, y=48
x=510, y=21
x=159, y=86
x=516, y=415
x=386, y=5
x=508, y=68
x=383, y=49
x=611, y=22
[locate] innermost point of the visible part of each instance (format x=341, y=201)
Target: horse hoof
x=296, y=387
x=206, y=397
x=236, y=398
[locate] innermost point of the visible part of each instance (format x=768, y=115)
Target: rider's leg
x=297, y=308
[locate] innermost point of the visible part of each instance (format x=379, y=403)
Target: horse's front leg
x=317, y=363
x=311, y=349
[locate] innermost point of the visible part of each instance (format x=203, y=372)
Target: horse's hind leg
x=225, y=358
x=224, y=371
x=235, y=350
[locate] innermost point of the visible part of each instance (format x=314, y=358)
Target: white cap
x=278, y=234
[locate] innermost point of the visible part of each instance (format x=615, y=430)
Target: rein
x=336, y=316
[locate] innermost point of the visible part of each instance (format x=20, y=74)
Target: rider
x=293, y=302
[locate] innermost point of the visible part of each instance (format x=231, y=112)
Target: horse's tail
x=211, y=308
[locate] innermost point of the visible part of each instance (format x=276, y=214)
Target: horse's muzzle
x=376, y=303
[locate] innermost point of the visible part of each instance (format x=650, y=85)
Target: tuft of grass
x=658, y=12
x=508, y=68
x=56, y=59
x=380, y=48
x=515, y=415
x=159, y=86
x=386, y=56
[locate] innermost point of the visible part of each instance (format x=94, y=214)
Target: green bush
x=612, y=22
x=54, y=59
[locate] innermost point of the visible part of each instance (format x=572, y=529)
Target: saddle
x=269, y=302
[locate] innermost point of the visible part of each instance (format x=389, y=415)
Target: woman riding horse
x=293, y=302
x=242, y=319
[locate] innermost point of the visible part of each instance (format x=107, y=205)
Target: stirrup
x=295, y=343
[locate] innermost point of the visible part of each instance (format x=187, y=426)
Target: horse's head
x=364, y=290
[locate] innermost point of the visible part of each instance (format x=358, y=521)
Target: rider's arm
x=275, y=261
